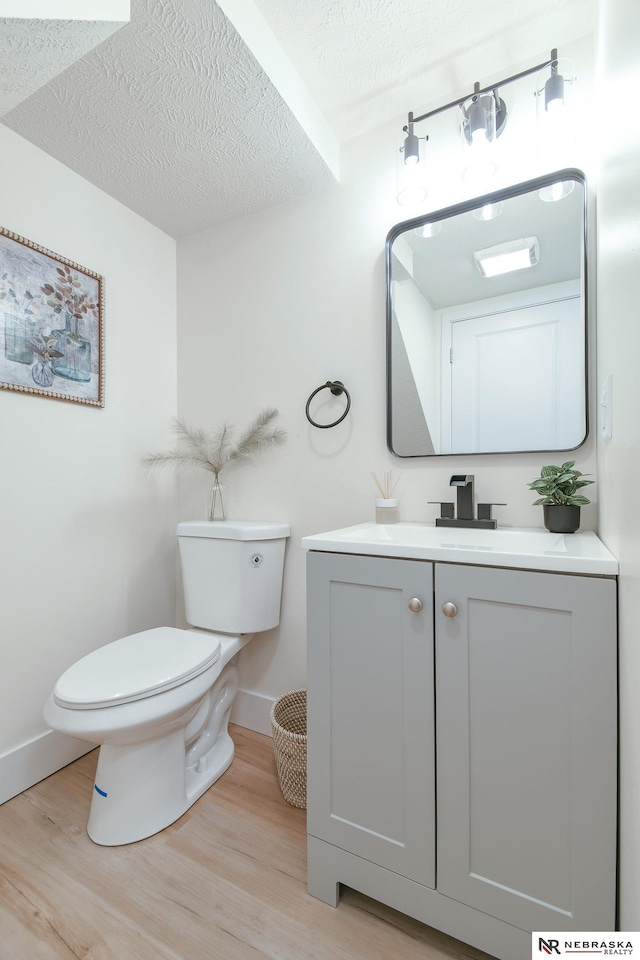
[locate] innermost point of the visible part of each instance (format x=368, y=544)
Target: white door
x=516, y=379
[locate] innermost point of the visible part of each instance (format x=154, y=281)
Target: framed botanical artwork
x=51, y=324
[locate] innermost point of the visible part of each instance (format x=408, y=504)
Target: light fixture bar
x=489, y=89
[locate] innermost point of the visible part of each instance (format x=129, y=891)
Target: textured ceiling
x=179, y=115
x=176, y=119
x=34, y=51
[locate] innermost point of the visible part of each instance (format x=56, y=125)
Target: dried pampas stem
x=213, y=451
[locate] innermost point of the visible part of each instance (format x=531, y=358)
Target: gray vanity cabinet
x=526, y=745
x=370, y=710
x=524, y=732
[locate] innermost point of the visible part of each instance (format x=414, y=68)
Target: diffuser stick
x=388, y=485
x=378, y=485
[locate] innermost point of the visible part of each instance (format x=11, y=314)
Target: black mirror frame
x=528, y=186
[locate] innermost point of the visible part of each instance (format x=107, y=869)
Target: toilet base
x=141, y=788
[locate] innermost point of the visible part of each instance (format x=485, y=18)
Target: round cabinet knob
x=415, y=605
x=449, y=609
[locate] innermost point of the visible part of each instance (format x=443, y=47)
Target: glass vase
x=217, y=501
x=18, y=332
x=42, y=374
x=75, y=362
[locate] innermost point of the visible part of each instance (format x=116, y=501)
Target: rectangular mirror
x=486, y=323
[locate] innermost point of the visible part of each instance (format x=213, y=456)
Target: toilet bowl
x=158, y=702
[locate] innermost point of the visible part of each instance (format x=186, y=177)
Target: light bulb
x=428, y=229
x=411, y=147
x=556, y=191
x=488, y=212
x=554, y=92
x=410, y=171
x=477, y=121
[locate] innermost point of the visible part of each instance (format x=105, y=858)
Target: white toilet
x=158, y=702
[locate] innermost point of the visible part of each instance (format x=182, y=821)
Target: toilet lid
x=135, y=667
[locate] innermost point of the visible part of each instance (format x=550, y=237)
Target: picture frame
x=51, y=324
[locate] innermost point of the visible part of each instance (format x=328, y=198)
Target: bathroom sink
x=527, y=548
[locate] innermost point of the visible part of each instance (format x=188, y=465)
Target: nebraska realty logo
x=580, y=944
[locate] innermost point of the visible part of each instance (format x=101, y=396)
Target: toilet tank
x=232, y=573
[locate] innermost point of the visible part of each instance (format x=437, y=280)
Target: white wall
x=618, y=352
x=88, y=552
x=421, y=334
x=272, y=306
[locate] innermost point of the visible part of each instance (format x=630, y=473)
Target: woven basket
x=289, y=726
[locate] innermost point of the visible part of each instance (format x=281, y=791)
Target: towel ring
x=337, y=387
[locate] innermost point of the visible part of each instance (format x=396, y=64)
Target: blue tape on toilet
x=101, y=792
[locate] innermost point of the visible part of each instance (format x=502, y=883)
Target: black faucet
x=464, y=495
x=465, y=508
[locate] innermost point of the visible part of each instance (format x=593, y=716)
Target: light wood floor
x=226, y=882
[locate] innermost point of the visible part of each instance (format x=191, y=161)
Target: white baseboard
x=253, y=711
x=31, y=762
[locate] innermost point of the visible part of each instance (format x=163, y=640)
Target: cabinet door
x=371, y=711
x=526, y=746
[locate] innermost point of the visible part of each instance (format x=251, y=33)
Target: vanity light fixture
x=556, y=130
x=411, y=178
x=479, y=117
x=554, y=87
x=484, y=115
x=506, y=257
x=411, y=146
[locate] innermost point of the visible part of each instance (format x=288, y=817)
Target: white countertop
x=527, y=548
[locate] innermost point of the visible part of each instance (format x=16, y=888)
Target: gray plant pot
x=561, y=517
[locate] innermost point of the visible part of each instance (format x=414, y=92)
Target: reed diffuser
x=386, y=503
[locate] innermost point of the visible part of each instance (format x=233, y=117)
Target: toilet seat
x=136, y=667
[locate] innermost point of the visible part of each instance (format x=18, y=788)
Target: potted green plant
x=560, y=498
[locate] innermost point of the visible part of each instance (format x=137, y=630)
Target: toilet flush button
x=256, y=559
